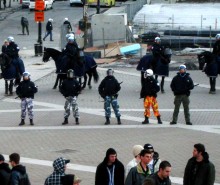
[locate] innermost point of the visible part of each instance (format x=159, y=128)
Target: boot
x=146, y=121
x=22, y=122
x=11, y=88
x=65, y=121
x=77, y=121
x=6, y=88
x=159, y=120
x=107, y=121
x=119, y=120
x=31, y=122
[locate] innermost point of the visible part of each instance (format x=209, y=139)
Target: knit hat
x=2, y=157
x=137, y=150
x=149, y=147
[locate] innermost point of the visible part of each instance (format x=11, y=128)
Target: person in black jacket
x=157, y=51
x=108, y=90
x=216, y=51
x=49, y=28
x=149, y=91
x=162, y=176
x=18, y=175
x=4, y=171
x=110, y=171
x=68, y=25
x=199, y=169
x=12, y=48
x=70, y=89
x=181, y=85
x=24, y=24
x=4, y=46
x=25, y=91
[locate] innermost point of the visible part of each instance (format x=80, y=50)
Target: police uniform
x=25, y=91
x=70, y=89
x=108, y=89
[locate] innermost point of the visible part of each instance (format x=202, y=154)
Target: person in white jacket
x=136, y=150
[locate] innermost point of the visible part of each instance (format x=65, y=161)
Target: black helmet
x=70, y=73
x=110, y=72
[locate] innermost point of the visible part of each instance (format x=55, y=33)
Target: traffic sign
x=39, y=5
x=39, y=16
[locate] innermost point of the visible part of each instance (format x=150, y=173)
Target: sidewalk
x=5, y=12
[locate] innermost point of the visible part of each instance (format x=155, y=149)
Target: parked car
x=25, y=3
x=48, y=4
x=76, y=2
x=149, y=37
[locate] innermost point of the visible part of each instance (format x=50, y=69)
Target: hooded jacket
x=59, y=171
x=199, y=173
x=4, y=173
x=19, y=176
x=102, y=175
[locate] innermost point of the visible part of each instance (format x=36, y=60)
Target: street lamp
x=202, y=18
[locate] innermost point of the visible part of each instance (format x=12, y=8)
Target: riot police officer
x=12, y=48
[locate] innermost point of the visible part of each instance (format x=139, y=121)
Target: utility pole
x=85, y=20
x=98, y=7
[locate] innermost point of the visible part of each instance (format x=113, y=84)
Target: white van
x=48, y=4
x=76, y=2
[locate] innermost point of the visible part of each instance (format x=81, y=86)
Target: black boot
x=162, y=85
x=119, y=120
x=77, y=121
x=11, y=87
x=22, y=122
x=31, y=122
x=65, y=121
x=107, y=121
x=146, y=121
x=6, y=88
x=159, y=120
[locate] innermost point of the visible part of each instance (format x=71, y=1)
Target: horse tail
x=95, y=75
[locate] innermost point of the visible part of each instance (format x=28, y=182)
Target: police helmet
x=66, y=19
x=110, y=72
x=70, y=73
x=157, y=39
x=26, y=74
x=50, y=20
x=217, y=36
x=182, y=67
x=10, y=39
x=148, y=72
x=71, y=39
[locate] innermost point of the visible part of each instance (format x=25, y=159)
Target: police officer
x=25, y=91
x=149, y=93
x=70, y=89
x=181, y=85
x=12, y=48
x=49, y=29
x=68, y=24
x=216, y=51
x=108, y=90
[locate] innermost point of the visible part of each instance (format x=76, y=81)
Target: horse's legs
x=56, y=82
x=89, y=81
x=11, y=87
x=85, y=80
x=6, y=87
x=162, y=84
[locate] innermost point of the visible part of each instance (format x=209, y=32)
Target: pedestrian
x=149, y=91
x=18, y=175
x=59, y=166
x=49, y=29
x=70, y=88
x=162, y=176
x=25, y=91
x=136, y=150
x=181, y=85
x=4, y=46
x=4, y=171
x=155, y=161
x=67, y=24
x=110, y=171
x=108, y=90
x=199, y=169
x=138, y=173
x=157, y=51
x=25, y=25
x=4, y=3
x=70, y=179
x=216, y=50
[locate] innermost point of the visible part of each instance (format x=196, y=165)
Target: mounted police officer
x=108, y=90
x=70, y=89
x=25, y=91
x=12, y=49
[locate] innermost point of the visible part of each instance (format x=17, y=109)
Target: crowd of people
x=146, y=168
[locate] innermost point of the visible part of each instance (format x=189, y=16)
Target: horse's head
x=204, y=57
x=46, y=55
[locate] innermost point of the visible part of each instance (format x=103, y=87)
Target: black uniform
x=12, y=50
x=26, y=89
x=68, y=25
x=70, y=87
x=150, y=87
